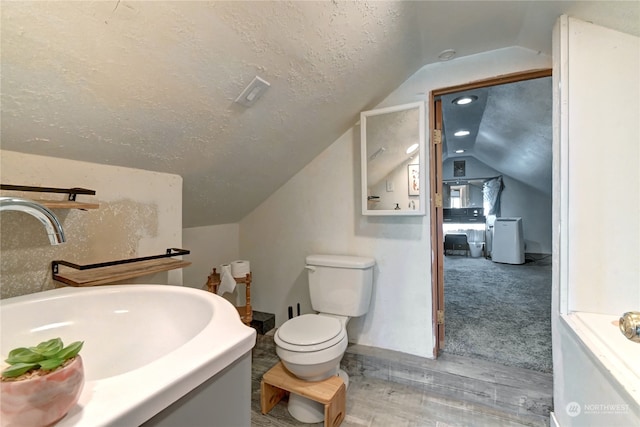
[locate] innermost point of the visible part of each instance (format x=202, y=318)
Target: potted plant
x=41, y=384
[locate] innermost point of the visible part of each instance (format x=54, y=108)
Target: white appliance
x=508, y=243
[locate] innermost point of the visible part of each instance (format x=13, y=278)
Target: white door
x=600, y=167
x=596, y=215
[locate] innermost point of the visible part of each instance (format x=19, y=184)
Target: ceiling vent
x=253, y=92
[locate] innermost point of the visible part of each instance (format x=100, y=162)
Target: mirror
x=463, y=193
x=392, y=150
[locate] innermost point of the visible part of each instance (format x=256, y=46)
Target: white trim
x=561, y=167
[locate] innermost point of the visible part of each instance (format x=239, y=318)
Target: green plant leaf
x=18, y=369
x=50, y=364
x=48, y=348
x=47, y=355
x=23, y=355
x=69, y=351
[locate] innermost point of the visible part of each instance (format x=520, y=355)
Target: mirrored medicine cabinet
x=393, y=157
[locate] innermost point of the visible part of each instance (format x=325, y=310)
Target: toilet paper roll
x=227, y=282
x=240, y=268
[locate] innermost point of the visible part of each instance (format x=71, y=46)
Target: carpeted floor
x=499, y=312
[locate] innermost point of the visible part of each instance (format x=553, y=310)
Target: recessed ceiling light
x=446, y=54
x=465, y=99
x=459, y=151
x=412, y=148
x=462, y=133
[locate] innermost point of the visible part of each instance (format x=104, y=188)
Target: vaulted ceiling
x=509, y=129
x=151, y=85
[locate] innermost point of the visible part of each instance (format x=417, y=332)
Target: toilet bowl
x=311, y=346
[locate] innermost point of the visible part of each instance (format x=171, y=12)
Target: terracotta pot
x=41, y=401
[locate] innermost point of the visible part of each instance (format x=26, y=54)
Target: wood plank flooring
x=389, y=389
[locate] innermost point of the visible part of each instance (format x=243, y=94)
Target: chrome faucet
x=44, y=215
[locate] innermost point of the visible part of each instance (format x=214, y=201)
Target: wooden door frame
x=435, y=180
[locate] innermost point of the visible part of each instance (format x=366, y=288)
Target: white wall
x=210, y=247
x=140, y=214
x=518, y=200
x=318, y=211
x=535, y=208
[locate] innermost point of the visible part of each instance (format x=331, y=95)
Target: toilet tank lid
x=341, y=261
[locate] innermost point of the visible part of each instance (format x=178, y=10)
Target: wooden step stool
x=332, y=393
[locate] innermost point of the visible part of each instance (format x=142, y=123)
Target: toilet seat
x=309, y=333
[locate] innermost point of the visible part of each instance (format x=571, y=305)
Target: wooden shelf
x=245, y=311
x=109, y=272
x=106, y=275
x=71, y=193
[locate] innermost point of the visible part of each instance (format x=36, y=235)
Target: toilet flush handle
x=310, y=267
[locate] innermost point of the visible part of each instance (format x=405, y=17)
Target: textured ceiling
x=151, y=85
x=510, y=129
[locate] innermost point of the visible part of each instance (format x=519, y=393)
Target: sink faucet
x=44, y=215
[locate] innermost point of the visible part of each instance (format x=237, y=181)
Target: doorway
x=459, y=166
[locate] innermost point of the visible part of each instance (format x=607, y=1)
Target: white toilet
x=311, y=346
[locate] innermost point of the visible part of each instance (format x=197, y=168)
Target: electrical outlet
x=389, y=186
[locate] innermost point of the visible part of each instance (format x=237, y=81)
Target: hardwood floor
x=390, y=389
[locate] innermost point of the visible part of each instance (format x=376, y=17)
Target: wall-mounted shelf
x=70, y=203
x=108, y=272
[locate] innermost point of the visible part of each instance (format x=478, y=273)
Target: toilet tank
x=340, y=284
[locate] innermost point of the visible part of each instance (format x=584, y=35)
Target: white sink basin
x=145, y=346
